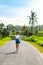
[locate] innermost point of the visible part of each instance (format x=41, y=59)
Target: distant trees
x=1, y=27
x=3, y=30
x=25, y=30
x=10, y=27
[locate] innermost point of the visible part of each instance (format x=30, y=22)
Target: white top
x=17, y=36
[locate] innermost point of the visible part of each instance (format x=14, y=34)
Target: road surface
x=27, y=54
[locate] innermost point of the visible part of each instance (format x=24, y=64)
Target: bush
x=30, y=34
x=40, y=33
x=13, y=37
x=40, y=43
x=5, y=32
x=37, y=40
x=31, y=38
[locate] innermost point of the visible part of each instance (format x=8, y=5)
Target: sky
x=16, y=11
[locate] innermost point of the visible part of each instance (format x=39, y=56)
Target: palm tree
x=32, y=20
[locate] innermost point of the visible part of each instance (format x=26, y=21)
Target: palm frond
x=29, y=21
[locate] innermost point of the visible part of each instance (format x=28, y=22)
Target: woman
x=17, y=36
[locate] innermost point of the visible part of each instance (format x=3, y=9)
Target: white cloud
x=14, y=21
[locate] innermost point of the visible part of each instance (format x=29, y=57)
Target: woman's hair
x=17, y=32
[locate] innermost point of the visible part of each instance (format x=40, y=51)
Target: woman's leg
x=17, y=47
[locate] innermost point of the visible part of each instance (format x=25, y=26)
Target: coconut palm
x=32, y=20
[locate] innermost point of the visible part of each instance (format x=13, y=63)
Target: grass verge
x=4, y=40
x=36, y=42
x=39, y=48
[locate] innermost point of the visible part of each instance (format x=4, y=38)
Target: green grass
x=40, y=32
x=36, y=42
x=37, y=47
x=36, y=39
x=4, y=41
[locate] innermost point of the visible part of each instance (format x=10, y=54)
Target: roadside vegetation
x=36, y=42
x=35, y=39
x=4, y=41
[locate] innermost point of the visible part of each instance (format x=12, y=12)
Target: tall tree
x=1, y=25
x=32, y=20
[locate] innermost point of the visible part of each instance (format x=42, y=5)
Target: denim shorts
x=17, y=41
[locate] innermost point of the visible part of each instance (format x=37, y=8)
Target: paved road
x=27, y=55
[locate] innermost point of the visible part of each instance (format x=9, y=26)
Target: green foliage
x=40, y=33
x=0, y=36
x=24, y=31
x=1, y=25
x=32, y=20
x=4, y=41
x=38, y=47
x=13, y=37
x=40, y=43
x=37, y=40
x=5, y=32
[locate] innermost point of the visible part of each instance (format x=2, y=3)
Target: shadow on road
x=10, y=53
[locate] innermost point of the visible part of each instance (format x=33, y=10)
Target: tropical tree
x=32, y=20
x=1, y=27
x=24, y=30
x=5, y=32
x=10, y=27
